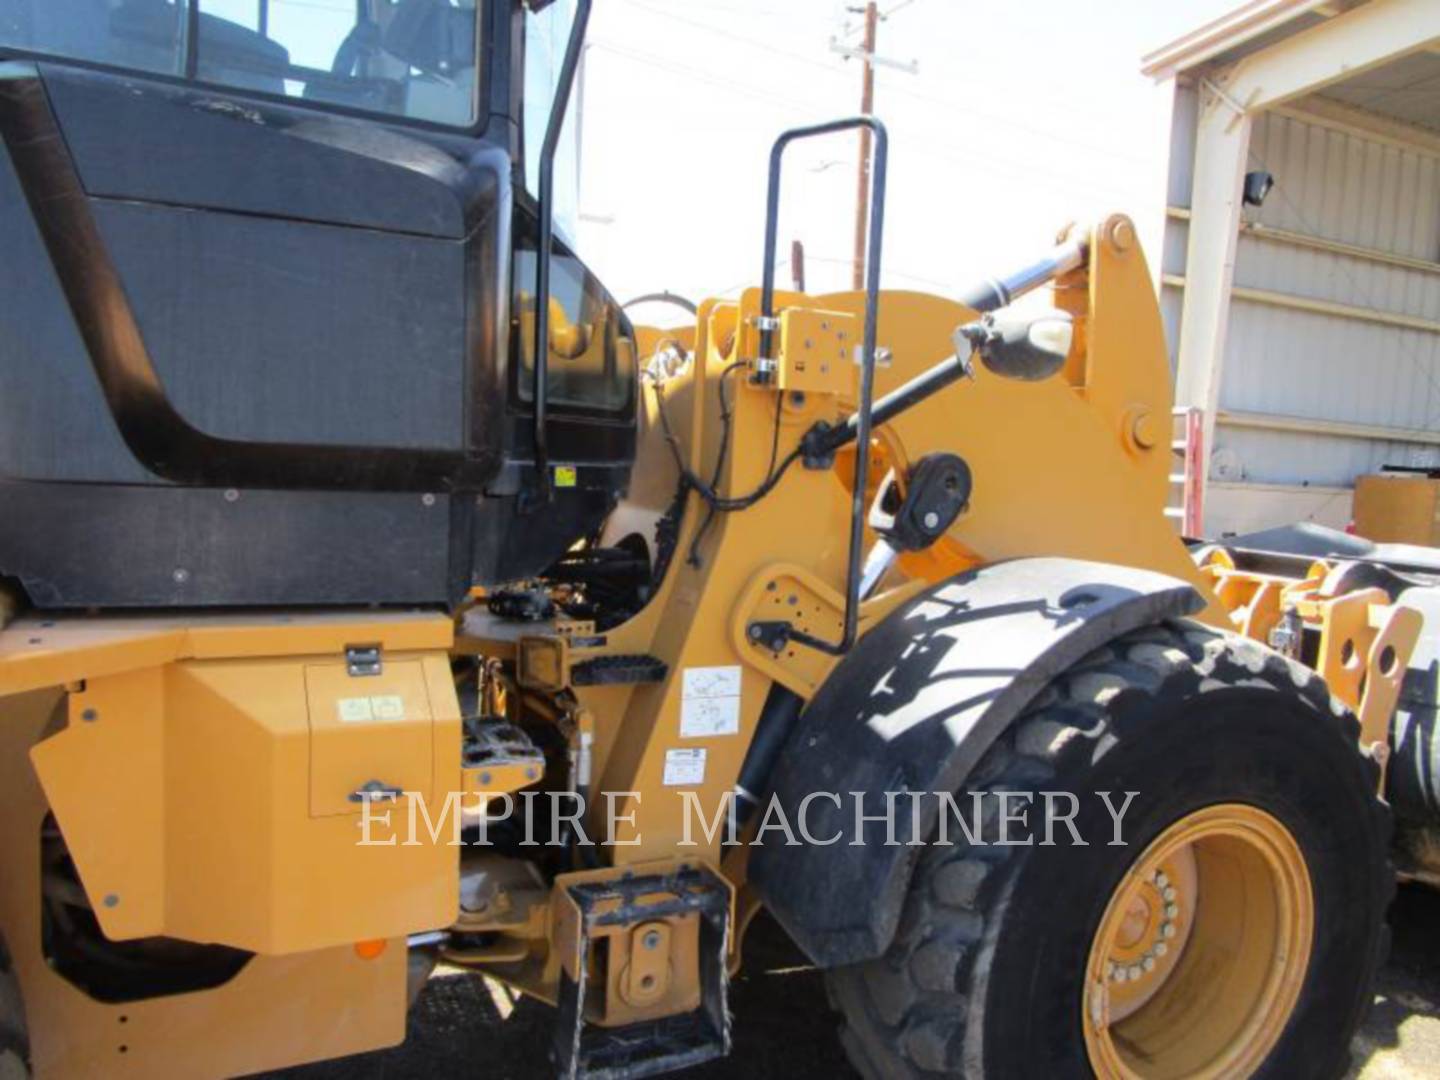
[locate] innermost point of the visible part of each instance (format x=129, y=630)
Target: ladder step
x=644, y=1048
x=611, y=670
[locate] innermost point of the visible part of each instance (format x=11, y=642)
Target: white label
x=710, y=702
x=684, y=767
x=712, y=682
x=700, y=717
x=362, y=710
x=388, y=707
x=355, y=710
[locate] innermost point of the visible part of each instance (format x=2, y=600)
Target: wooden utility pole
x=867, y=105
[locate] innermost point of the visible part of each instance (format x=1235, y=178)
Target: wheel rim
x=1201, y=953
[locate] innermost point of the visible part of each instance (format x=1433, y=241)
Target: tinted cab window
x=410, y=58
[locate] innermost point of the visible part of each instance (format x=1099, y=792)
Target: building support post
x=1221, y=144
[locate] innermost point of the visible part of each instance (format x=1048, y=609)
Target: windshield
x=411, y=58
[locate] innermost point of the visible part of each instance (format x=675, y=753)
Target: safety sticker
x=361, y=710
x=565, y=476
x=710, y=702
x=684, y=767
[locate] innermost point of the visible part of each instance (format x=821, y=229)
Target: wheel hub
x=1199, y=957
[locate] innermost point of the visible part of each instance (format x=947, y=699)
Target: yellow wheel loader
x=377, y=594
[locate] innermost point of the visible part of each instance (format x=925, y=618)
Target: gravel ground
x=464, y=1025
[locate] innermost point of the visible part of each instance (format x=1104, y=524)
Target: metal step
x=610, y=670
x=656, y=1046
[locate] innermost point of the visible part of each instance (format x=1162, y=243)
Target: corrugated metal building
x=1307, y=328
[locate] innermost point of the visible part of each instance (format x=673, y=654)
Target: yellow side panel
x=111, y=761
x=209, y=800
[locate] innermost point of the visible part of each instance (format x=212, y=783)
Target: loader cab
x=269, y=285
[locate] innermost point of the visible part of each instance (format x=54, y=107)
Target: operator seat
x=437, y=39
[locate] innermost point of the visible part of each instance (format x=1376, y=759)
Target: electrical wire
x=727, y=413
x=726, y=503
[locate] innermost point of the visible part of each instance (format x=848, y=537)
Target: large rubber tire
x=985, y=976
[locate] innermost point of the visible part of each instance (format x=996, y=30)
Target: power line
x=948, y=104
x=711, y=28
x=916, y=142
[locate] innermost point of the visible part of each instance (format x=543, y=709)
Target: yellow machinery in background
x=889, y=636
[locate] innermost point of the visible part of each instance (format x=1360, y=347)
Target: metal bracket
x=770, y=634
x=362, y=661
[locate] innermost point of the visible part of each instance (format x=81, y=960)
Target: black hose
x=777, y=720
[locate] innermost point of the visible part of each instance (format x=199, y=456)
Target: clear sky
x=1024, y=115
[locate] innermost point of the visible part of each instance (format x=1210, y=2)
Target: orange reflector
x=369, y=950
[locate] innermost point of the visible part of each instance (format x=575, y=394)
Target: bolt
x=427, y=499
x=652, y=939
x=1148, y=963
x=1111, y=968
x=1161, y=881
x=1160, y=948
x=1121, y=233
x=932, y=519
x=89, y=716
x=756, y=633
x=792, y=599
x=181, y=576
x=1097, y=998
x=530, y=774
x=1172, y=910
x=647, y=982
x=1167, y=930
x=1169, y=893
x=485, y=778
x=1135, y=972
x=1142, y=430
x=111, y=900
x=1121, y=974
x=231, y=495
